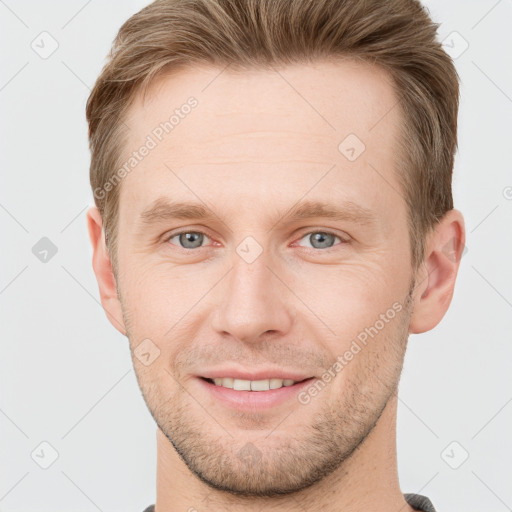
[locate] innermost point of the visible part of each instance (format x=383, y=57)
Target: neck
x=367, y=480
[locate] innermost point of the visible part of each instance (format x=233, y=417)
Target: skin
x=250, y=150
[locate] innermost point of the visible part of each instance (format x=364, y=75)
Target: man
x=273, y=217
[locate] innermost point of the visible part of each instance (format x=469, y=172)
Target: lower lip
x=251, y=400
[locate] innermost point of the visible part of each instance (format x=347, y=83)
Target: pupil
x=321, y=240
x=191, y=240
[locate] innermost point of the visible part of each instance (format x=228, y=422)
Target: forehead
x=257, y=131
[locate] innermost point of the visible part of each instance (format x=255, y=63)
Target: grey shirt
x=416, y=501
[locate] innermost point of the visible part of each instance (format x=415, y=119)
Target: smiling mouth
x=254, y=385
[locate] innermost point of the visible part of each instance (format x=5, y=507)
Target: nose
x=252, y=302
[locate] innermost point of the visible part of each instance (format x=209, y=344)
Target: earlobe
x=436, y=277
x=102, y=267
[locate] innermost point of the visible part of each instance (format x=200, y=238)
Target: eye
x=194, y=239
x=321, y=239
x=188, y=239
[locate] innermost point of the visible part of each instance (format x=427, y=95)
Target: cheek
x=348, y=296
x=159, y=297
x=142, y=296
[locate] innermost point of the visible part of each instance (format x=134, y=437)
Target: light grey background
x=66, y=374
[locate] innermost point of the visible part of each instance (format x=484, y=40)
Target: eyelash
x=327, y=232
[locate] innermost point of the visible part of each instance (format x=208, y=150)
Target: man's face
x=256, y=288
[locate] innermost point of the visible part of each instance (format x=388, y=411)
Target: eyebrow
x=163, y=209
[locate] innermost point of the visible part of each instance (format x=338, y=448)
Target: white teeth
x=226, y=382
x=260, y=385
x=252, y=385
x=242, y=385
x=275, y=383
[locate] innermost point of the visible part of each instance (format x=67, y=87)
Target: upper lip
x=253, y=375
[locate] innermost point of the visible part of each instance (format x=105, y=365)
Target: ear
x=103, y=270
x=436, y=277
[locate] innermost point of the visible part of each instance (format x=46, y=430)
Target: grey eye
x=320, y=239
x=189, y=239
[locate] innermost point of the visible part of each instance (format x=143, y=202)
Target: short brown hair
x=397, y=35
